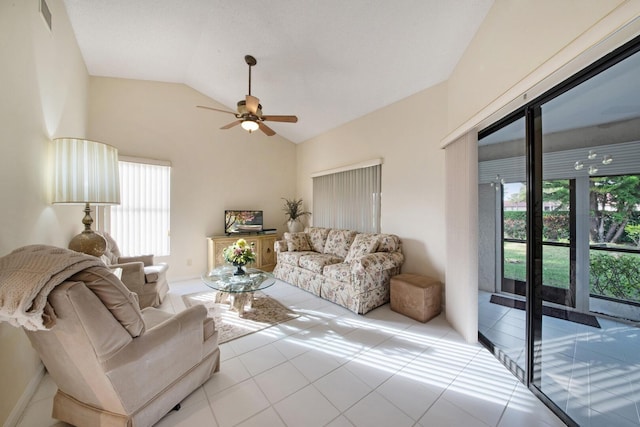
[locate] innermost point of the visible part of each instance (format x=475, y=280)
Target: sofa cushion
x=338, y=242
x=297, y=242
x=340, y=272
x=120, y=301
x=363, y=244
x=317, y=238
x=317, y=262
x=388, y=243
x=293, y=258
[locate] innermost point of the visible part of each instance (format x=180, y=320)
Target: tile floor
x=330, y=367
x=593, y=374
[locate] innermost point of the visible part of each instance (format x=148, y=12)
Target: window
x=140, y=224
x=348, y=198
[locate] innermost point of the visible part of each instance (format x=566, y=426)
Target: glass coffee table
x=237, y=290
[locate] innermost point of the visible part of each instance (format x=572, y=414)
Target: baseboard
x=183, y=279
x=21, y=405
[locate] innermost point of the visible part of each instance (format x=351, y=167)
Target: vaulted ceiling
x=326, y=61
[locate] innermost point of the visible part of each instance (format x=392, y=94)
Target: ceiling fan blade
x=252, y=104
x=288, y=119
x=216, y=109
x=266, y=129
x=232, y=124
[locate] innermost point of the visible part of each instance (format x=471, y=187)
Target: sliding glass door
x=559, y=212
x=502, y=242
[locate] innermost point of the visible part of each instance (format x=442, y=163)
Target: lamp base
x=90, y=243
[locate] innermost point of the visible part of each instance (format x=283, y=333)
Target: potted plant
x=293, y=210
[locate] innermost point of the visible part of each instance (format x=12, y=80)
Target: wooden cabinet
x=264, y=248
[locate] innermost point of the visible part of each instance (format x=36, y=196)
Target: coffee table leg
x=222, y=297
x=239, y=301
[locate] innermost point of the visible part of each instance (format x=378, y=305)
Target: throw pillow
x=338, y=242
x=317, y=238
x=297, y=242
x=363, y=244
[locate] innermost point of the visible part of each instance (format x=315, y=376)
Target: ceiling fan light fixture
x=249, y=125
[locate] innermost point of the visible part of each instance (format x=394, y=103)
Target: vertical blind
x=461, y=207
x=141, y=223
x=348, y=199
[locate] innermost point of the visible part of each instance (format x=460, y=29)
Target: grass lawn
x=555, y=264
x=615, y=280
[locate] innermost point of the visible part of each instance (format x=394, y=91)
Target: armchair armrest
x=160, y=356
x=132, y=275
x=152, y=273
x=147, y=260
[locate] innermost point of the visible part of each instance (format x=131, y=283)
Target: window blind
x=348, y=199
x=141, y=223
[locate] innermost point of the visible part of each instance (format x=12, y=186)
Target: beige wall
x=515, y=40
x=405, y=135
x=212, y=169
x=43, y=82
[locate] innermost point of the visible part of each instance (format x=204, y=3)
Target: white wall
x=405, y=136
x=212, y=169
x=43, y=82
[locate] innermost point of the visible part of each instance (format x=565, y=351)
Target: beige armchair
x=117, y=365
x=139, y=274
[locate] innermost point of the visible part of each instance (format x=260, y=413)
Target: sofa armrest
x=377, y=261
x=161, y=355
x=281, y=246
x=373, y=271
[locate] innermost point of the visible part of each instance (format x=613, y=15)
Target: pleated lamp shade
x=86, y=172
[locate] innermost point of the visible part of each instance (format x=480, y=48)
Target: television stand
x=253, y=233
x=264, y=245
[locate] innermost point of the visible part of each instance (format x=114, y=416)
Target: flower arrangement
x=240, y=253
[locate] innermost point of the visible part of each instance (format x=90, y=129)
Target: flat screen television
x=242, y=221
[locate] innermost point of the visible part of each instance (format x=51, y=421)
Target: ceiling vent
x=46, y=13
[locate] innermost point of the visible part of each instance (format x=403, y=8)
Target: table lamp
x=86, y=172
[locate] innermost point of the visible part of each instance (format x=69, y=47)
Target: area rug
x=264, y=313
x=571, y=316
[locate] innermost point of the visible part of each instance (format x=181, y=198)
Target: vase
x=239, y=271
x=295, y=226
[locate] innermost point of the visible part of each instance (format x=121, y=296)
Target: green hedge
x=556, y=226
x=615, y=276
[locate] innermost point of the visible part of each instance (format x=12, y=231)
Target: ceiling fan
x=249, y=113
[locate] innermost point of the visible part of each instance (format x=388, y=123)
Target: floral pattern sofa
x=343, y=266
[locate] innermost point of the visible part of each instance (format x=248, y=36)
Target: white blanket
x=28, y=274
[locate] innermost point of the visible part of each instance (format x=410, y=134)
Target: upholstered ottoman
x=415, y=296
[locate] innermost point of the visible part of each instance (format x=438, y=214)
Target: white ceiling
x=326, y=61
